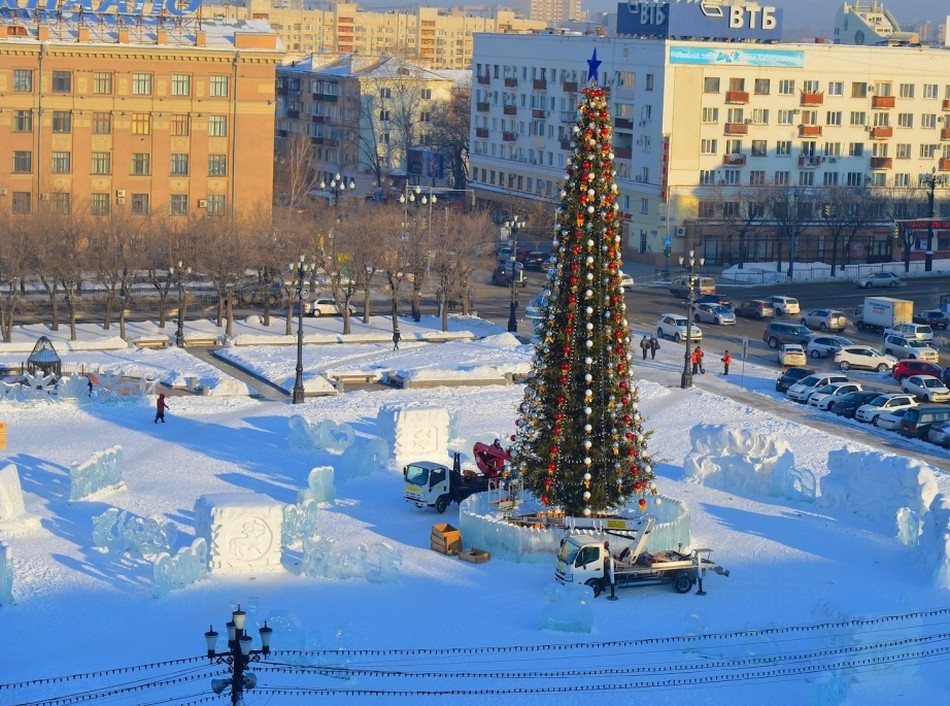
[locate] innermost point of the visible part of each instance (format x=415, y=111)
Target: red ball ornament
x=559, y=416
x=627, y=419
x=544, y=499
x=642, y=504
x=560, y=399
x=548, y=483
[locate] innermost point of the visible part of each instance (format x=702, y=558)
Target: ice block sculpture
x=418, y=433
x=73, y=388
x=325, y=435
x=6, y=575
x=567, y=608
x=243, y=531
x=320, y=487
x=115, y=531
x=11, y=494
x=189, y=565
x=102, y=470
x=323, y=557
x=365, y=457
x=300, y=522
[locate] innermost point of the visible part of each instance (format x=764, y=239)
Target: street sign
x=667, y=241
x=745, y=347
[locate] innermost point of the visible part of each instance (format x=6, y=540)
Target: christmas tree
x=580, y=447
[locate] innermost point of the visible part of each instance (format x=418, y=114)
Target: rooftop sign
x=708, y=19
x=139, y=8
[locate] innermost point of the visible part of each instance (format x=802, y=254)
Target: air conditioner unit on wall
x=120, y=193
x=202, y=203
x=680, y=231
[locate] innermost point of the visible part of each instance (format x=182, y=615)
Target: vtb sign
x=711, y=18
x=103, y=7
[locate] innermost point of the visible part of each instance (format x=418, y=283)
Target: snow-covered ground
x=805, y=617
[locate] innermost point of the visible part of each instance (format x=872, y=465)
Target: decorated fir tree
x=580, y=446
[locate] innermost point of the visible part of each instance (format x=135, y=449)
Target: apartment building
x=106, y=112
x=437, y=37
x=699, y=123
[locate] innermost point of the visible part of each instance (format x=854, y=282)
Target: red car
x=906, y=368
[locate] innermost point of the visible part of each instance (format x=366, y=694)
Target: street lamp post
x=415, y=195
x=302, y=269
x=686, y=379
x=930, y=181
x=513, y=226
x=180, y=333
x=338, y=186
x=238, y=655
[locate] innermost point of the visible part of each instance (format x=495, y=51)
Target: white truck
x=586, y=559
x=879, y=313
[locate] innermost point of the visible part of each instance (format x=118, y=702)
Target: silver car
x=825, y=319
x=824, y=346
x=718, y=314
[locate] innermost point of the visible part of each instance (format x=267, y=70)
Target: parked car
x=714, y=314
x=849, y=404
x=891, y=420
x=803, y=389
x=502, y=275
x=784, y=305
x=534, y=259
x=824, y=346
x=939, y=434
x=626, y=281
x=324, y=306
x=825, y=320
x=791, y=354
x=908, y=367
x=702, y=285
x=921, y=332
x=824, y=397
x=881, y=404
x=864, y=357
x=715, y=299
x=776, y=333
x=256, y=294
x=878, y=279
x=934, y=318
x=901, y=347
x=503, y=254
x=674, y=326
x=549, y=263
x=791, y=376
x=755, y=309
x=926, y=388
x=919, y=420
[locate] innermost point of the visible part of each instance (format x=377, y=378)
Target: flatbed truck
x=431, y=484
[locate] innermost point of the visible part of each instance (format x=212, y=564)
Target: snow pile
x=935, y=541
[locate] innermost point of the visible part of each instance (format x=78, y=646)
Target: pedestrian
x=160, y=408
x=697, y=361
x=645, y=345
x=654, y=347
x=726, y=362
x=396, y=338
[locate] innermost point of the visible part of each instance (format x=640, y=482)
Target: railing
x=623, y=123
x=511, y=83
x=482, y=107
x=623, y=152
x=539, y=84
x=509, y=136
x=571, y=87
x=882, y=162
x=737, y=96
x=882, y=101
x=944, y=165
x=736, y=129
x=484, y=80
x=733, y=159
x=511, y=110
x=812, y=98
x=481, y=132
x=881, y=132
x=809, y=130
x=945, y=133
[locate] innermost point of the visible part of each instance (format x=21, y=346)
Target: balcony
x=511, y=110
x=808, y=162
x=484, y=80
x=571, y=87
x=481, y=132
x=736, y=129
x=881, y=132
x=945, y=133
x=733, y=159
x=882, y=101
x=944, y=165
x=482, y=106
x=739, y=97
x=568, y=116
x=509, y=136
x=325, y=97
x=538, y=113
x=539, y=84
x=623, y=152
x=293, y=113
x=881, y=162
x=809, y=130
x=511, y=83
x=808, y=98
x=623, y=123
x=319, y=119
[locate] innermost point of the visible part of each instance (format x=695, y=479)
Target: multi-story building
x=437, y=37
x=704, y=126
x=557, y=11
x=102, y=113
x=362, y=115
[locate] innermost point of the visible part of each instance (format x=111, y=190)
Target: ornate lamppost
x=513, y=226
x=338, y=186
x=302, y=269
x=180, y=333
x=930, y=181
x=686, y=379
x=238, y=655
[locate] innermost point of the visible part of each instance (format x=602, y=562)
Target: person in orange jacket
x=697, y=360
x=726, y=362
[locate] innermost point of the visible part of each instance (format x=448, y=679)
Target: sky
x=809, y=585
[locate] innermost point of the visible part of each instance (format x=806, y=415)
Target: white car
x=824, y=397
x=718, y=314
x=674, y=326
x=784, y=305
x=825, y=319
x=791, y=354
x=803, y=389
x=922, y=332
x=926, y=387
x=891, y=420
x=882, y=404
x=626, y=281
x=939, y=434
x=325, y=306
x=913, y=348
x=823, y=346
x=864, y=357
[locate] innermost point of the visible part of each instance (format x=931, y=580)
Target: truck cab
x=431, y=484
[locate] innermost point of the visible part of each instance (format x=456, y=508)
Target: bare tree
x=741, y=212
x=792, y=211
x=294, y=175
x=117, y=255
x=449, y=131
x=225, y=242
x=842, y=214
x=901, y=205
x=14, y=263
x=461, y=243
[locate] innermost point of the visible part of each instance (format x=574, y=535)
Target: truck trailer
x=879, y=313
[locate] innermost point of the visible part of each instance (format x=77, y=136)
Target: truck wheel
x=682, y=583
x=595, y=585
x=442, y=504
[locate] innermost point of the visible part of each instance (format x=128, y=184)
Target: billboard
x=709, y=19
x=425, y=163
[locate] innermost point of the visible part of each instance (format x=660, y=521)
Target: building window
x=835, y=88
x=707, y=177
x=806, y=178
x=859, y=89
x=930, y=91
x=141, y=124
x=101, y=163
x=385, y=93
x=786, y=87
x=141, y=84
x=139, y=204
x=218, y=125
x=759, y=148
x=216, y=205
x=59, y=203
x=830, y=179
x=810, y=86
x=99, y=204
x=833, y=117
x=760, y=116
x=786, y=117
x=217, y=165
x=734, y=146
x=902, y=180
x=62, y=121
x=858, y=118
x=22, y=121
x=218, y=87
x=61, y=162
x=141, y=164
x=181, y=85
x=781, y=178
x=710, y=84
x=102, y=123
x=22, y=202
x=710, y=116
x=928, y=152
x=22, y=162
x=928, y=121
x=180, y=125
x=757, y=177
x=178, y=205
x=903, y=150
x=708, y=147
x=102, y=83
x=649, y=82
x=905, y=120
x=426, y=94
x=855, y=149
x=62, y=82
x=23, y=80
x=783, y=148
x=905, y=90
x=762, y=86
x=179, y=165
x=706, y=209
x=384, y=116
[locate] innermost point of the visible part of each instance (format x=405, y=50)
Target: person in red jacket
x=726, y=362
x=160, y=408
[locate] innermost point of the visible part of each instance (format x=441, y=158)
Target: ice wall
x=6, y=575
x=934, y=544
x=11, y=494
x=102, y=470
x=189, y=565
x=119, y=531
